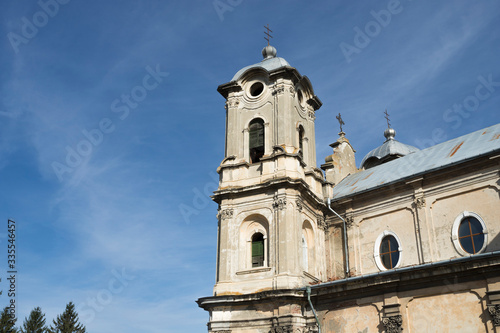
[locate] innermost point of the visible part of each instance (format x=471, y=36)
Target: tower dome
x=270, y=62
x=388, y=151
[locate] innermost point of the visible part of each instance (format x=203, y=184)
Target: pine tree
x=67, y=322
x=35, y=323
x=7, y=324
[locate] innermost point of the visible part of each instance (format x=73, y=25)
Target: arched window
x=301, y=141
x=256, y=131
x=308, y=250
x=389, y=252
x=257, y=250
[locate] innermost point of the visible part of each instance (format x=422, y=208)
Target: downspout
x=346, y=256
x=308, y=290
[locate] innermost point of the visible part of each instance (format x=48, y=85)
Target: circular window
x=469, y=234
x=387, y=251
x=256, y=89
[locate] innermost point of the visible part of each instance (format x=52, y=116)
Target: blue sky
x=97, y=180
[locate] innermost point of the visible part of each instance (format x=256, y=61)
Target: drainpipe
x=345, y=238
x=308, y=290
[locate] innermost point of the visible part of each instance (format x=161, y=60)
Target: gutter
x=407, y=269
x=346, y=253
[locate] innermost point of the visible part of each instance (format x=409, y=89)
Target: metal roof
x=389, y=147
x=268, y=64
x=456, y=151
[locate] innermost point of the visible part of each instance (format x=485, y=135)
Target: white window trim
x=376, y=250
x=454, y=233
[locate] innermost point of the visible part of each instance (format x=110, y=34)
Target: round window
x=471, y=235
x=256, y=89
x=389, y=252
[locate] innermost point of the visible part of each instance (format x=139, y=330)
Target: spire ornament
x=387, y=118
x=267, y=34
x=341, y=122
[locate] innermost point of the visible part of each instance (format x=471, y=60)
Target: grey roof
x=446, y=154
x=269, y=64
x=391, y=147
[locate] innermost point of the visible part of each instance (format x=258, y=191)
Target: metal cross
x=268, y=33
x=341, y=122
x=387, y=118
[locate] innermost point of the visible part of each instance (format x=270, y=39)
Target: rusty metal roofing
x=456, y=151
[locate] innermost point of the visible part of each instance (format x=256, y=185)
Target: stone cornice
x=284, y=182
x=444, y=274
x=213, y=301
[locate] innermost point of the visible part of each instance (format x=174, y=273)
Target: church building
x=407, y=242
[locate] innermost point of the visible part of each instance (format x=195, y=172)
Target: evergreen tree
x=7, y=324
x=67, y=322
x=35, y=323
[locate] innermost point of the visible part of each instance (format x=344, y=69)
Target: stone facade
x=403, y=264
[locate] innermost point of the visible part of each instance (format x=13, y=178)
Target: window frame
x=263, y=249
x=455, y=236
x=376, y=250
x=257, y=121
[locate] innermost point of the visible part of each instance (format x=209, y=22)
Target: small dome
x=270, y=63
x=388, y=151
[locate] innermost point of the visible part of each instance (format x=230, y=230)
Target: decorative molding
x=226, y=214
x=349, y=220
x=279, y=204
x=494, y=310
x=393, y=324
x=311, y=115
x=299, y=205
x=419, y=202
x=279, y=89
x=322, y=222
x=292, y=91
x=232, y=103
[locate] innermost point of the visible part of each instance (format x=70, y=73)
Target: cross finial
x=387, y=118
x=341, y=122
x=267, y=33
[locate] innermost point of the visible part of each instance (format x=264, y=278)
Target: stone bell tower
x=271, y=208
x=269, y=184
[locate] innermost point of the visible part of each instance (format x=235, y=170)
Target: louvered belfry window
x=257, y=250
x=256, y=130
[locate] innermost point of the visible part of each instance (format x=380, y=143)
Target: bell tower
x=270, y=194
